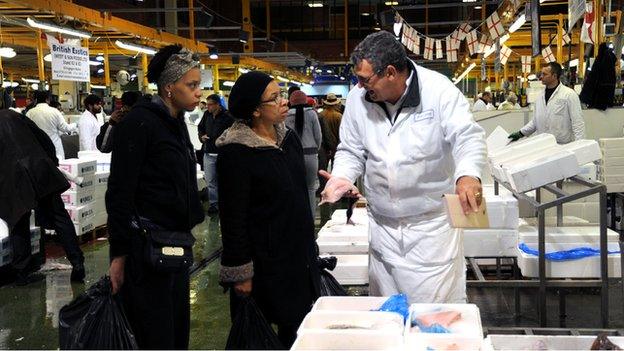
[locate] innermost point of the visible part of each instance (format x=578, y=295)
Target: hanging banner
x=484, y=44
x=576, y=10
x=547, y=54
x=69, y=62
x=473, y=42
x=505, y=52
x=428, y=54
x=405, y=34
x=439, y=49
x=495, y=26
x=451, y=53
x=455, y=39
x=464, y=29
x=566, y=39
x=526, y=64
x=415, y=39
x=588, y=31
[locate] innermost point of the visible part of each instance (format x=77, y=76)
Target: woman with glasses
x=267, y=231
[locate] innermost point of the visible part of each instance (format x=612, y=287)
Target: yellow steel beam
x=215, y=78
x=581, y=65
x=144, y=67
x=107, y=79
x=560, y=39
x=40, y=64
x=191, y=14
x=247, y=26
x=598, y=18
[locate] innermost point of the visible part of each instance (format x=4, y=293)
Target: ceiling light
x=7, y=52
x=318, y=70
x=391, y=3
x=469, y=0
x=48, y=58
x=365, y=14
x=397, y=28
x=34, y=86
x=27, y=80
x=135, y=47
x=503, y=39
x=315, y=4
x=531, y=77
x=573, y=63
x=94, y=86
x=282, y=79
x=243, y=70
x=95, y=63
x=329, y=71
x=57, y=29
x=133, y=76
x=100, y=71
x=342, y=78
x=99, y=58
x=214, y=53
x=377, y=28
x=472, y=65
x=311, y=82
x=518, y=23
x=478, y=7
x=228, y=83
x=243, y=36
x=47, y=87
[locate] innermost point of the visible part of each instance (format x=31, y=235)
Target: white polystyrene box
x=5, y=259
x=543, y=171
x=612, y=162
x=548, y=342
x=488, y=190
x=576, y=234
x=348, y=303
x=610, y=170
x=585, y=150
x=342, y=247
x=607, y=153
x=81, y=213
x=502, y=211
x=88, y=182
x=613, y=179
x=351, y=269
x=100, y=194
x=99, y=206
x=78, y=198
x=352, y=340
x=567, y=221
x=465, y=334
x=95, y=155
x=345, y=232
x=373, y=321
x=359, y=213
x=100, y=219
x=4, y=229
x=84, y=227
x=78, y=167
x=490, y=242
x=523, y=147
x=497, y=140
x=101, y=178
x=589, y=171
x=500, y=170
x=611, y=143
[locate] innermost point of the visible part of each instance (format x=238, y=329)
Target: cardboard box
x=542, y=171
x=611, y=143
x=585, y=150
x=458, y=219
x=88, y=181
x=78, y=198
x=80, y=213
x=78, y=167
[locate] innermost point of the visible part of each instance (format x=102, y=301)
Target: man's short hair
x=41, y=96
x=486, y=93
x=555, y=69
x=92, y=99
x=381, y=49
x=129, y=98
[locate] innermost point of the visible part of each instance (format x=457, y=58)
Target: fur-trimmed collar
x=240, y=133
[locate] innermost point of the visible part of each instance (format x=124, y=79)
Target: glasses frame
x=366, y=80
x=277, y=101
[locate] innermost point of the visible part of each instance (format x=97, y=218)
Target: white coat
x=408, y=164
x=52, y=122
x=480, y=105
x=88, y=130
x=561, y=117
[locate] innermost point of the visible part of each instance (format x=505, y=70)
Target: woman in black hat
x=268, y=233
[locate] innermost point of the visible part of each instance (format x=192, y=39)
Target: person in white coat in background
x=557, y=110
x=89, y=125
x=484, y=103
x=51, y=121
x=409, y=131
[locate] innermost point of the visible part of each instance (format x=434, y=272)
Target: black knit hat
x=247, y=93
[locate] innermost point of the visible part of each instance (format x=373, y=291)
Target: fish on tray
x=443, y=318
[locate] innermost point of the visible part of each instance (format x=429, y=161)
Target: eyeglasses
x=365, y=81
x=277, y=100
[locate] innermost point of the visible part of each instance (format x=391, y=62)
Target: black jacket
x=153, y=173
x=213, y=128
x=266, y=227
x=599, y=88
x=28, y=173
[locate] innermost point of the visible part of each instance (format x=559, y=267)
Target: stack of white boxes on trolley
x=6, y=255
x=85, y=202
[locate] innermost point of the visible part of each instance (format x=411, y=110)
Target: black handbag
x=167, y=251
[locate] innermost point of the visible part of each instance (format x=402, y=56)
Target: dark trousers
x=20, y=244
x=157, y=306
x=51, y=214
x=287, y=334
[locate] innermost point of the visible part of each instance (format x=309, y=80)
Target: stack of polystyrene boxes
x=502, y=236
x=611, y=170
x=101, y=184
x=5, y=242
x=349, y=244
x=79, y=199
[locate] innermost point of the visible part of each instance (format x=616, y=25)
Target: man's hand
x=515, y=136
x=116, y=273
x=336, y=188
x=243, y=288
x=470, y=193
x=204, y=138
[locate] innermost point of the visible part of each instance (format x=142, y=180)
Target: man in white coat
x=484, y=103
x=557, y=110
x=51, y=121
x=410, y=133
x=89, y=125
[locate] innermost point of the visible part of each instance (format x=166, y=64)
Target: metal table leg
x=541, y=238
x=604, y=268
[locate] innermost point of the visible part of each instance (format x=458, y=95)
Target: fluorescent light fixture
x=472, y=65
x=342, y=78
x=391, y=3
x=478, y=7
x=94, y=86
x=315, y=4
x=282, y=79
x=518, y=23
x=504, y=38
x=95, y=63
x=7, y=84
x=489, y=51
x=100, y=71
x=397, y=28
x=329, y=71
x=228, y=83
x=34, y=86
x=365, y=14
x=7, y=52
x=243, y=70
x=469, y=0
x=57, y=29
x=27, y=80
x=311, y=82
x=48, y=58
x=377, y=28
x=532, y=77
x=318, y=70
x=135, y=47
x=99, y=58
x=214, y=53
x=133, y=76
x=574, y=63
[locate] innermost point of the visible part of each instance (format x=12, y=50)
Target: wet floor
x=29, y=315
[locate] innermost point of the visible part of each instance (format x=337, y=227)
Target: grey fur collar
x=240, y=133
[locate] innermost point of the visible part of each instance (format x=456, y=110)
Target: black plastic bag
x=250, y=330
x=329, y=284
x=95, y=320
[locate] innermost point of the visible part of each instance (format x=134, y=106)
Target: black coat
x=28, y=173
x=213, y=128
x=153, y=173
x=599, y=87
x=266, y=227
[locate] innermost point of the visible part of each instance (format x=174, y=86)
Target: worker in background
x=409, y=131
x=331, y=117
x=51, y=121
x=104, y=140
x=215, y=121
x=510, y=103
x=484, y=103
x=88, y=125
x=557, y=110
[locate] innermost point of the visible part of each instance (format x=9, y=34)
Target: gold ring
x=477, y=194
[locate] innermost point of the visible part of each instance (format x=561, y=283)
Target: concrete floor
x=29, y=315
